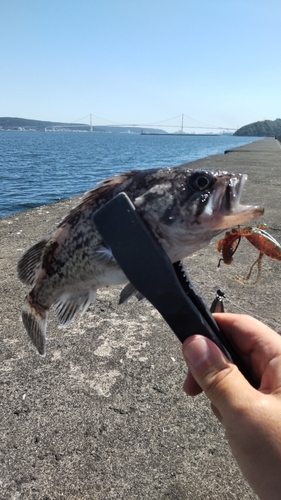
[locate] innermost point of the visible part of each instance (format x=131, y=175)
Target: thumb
x=220, y=379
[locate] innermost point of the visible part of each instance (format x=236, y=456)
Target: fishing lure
x=258, y=237
x=217, y=304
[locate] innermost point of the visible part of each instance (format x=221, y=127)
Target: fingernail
x=200, y=351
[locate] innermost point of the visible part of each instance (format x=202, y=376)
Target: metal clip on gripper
x=164, y=284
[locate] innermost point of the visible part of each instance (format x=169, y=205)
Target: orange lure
x=259, y=238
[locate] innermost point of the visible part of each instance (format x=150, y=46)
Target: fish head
x=186, y=208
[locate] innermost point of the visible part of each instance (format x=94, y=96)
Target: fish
x=182, y=207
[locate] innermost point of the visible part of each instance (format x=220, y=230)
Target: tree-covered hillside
x=264, y=128
x=11, y=123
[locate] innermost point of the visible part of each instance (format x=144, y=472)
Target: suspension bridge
x=177, y=122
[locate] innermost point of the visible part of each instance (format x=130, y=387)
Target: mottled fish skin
x=184, y=209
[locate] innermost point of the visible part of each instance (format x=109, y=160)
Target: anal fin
x=35, y=322
x=69, y=304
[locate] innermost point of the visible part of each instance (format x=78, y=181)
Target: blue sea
x=37, y=168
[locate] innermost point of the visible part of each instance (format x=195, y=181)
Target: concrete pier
x=103, y=415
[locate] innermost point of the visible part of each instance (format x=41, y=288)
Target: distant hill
x=8, y=123
x=266, y=128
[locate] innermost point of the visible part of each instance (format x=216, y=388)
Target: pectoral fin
x=129, y=291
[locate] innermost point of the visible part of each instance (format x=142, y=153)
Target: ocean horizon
x=38, y=168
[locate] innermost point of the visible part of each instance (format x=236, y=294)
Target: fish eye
x=200, y=181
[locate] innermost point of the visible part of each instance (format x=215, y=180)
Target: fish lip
x=233, y=213
x=233, y=192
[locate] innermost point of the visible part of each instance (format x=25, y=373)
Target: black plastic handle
x=148, y=268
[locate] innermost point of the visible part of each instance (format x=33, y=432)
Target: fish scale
x=183, y=208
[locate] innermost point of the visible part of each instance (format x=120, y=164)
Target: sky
x=142, y=62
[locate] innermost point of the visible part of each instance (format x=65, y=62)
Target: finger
x=257, y=345
x=190, y=386
x=221, y=380
x=247, y=333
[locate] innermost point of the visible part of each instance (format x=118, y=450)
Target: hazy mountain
x=265, y=128
x=8, y=123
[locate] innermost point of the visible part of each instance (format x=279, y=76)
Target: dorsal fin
x=91, y=197
x=29, y=266
x=68, y=305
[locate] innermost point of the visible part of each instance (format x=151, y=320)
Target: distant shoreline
x=182, y=135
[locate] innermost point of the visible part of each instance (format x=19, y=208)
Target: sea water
x=37, y=168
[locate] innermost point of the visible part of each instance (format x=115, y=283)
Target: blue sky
x=130, y=61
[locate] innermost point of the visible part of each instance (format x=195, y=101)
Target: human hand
x=251, y=418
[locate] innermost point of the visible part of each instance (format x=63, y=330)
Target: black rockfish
x=183, y=208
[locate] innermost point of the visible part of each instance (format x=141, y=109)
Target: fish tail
x=35, y=321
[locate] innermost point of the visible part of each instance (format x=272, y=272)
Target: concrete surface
x=103, y=416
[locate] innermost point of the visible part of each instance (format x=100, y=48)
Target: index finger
x=256, y=343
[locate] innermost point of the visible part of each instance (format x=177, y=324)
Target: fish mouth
x=232, y=213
